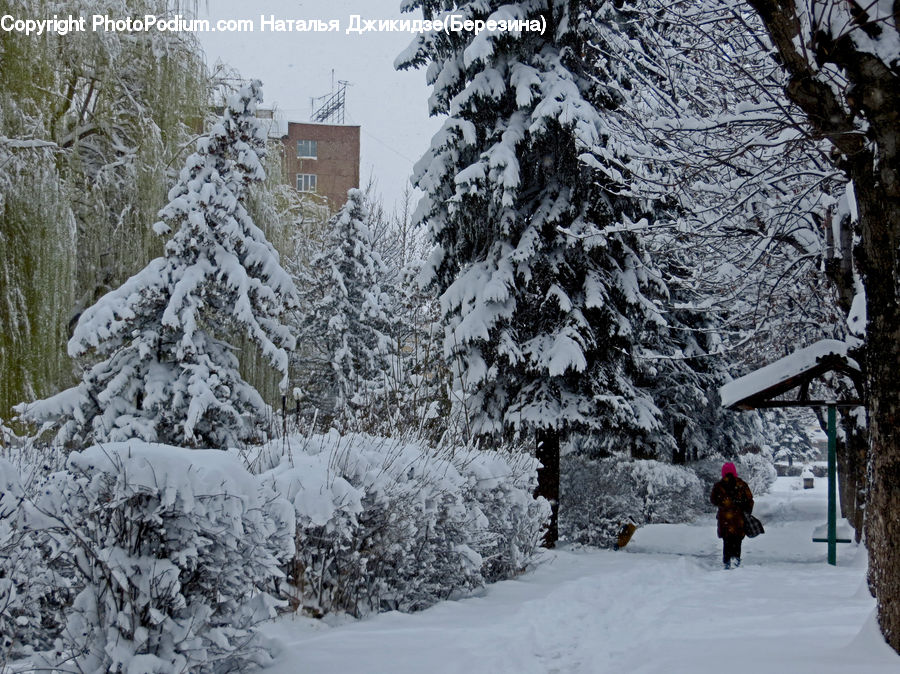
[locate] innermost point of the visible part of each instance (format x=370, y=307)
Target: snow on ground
x=663, y=604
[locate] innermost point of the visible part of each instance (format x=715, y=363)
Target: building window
x=307, y=149
x=306, y=182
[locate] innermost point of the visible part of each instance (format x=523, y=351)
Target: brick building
x=322, y=158
x=318, y=158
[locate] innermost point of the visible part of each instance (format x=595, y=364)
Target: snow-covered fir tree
x=166, y=371
x=793, y=444
x=344, y=322
x=541, y=267
x=419, y=400
x=686, y=361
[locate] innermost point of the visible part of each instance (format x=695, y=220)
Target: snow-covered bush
x=36, y=584
x=503, y=486
x=598, y=496
x=384, y=524
x=11, y=496
x=757, y=470
x=6, y=435
x=176, y=552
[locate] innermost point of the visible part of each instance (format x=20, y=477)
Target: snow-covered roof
x=274, y=122
x=784, y=374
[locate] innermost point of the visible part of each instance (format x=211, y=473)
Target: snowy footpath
x=663, y=604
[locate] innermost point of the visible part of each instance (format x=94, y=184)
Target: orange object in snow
x=625, y=534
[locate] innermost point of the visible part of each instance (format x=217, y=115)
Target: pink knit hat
x=729, y=468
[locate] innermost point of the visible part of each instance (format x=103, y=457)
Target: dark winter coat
x=733, y=498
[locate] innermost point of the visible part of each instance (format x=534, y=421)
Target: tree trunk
x=852, y=451
x=880, y=216
x=860, y=116
x=851, y=467
x=548, y=479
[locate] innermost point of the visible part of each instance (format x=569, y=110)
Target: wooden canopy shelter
x=765, y=387
x=769, y=386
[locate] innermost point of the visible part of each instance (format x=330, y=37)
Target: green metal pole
x=832, y=485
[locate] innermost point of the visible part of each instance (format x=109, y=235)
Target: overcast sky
x=390, y=106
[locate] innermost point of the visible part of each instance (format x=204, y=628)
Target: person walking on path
x=733, y=498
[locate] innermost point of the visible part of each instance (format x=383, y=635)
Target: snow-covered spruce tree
x=542, y=272
x=420, y=400
x=686, y=363
x=344, y=322
x=793, y=444
x=293, y=222
x=166, y=373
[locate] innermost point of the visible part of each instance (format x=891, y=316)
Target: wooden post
x=832, y=484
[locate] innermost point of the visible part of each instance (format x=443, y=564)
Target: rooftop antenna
x=331, y=110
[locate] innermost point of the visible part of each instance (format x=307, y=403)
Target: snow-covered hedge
x=152, y=558
x=385, y=524
x=11, y=494
x=598, y=496
x=36, y=580
x=758, y=471
x=755, y=468
x=175, y=554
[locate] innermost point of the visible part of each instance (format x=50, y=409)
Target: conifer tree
x=344, y=321
x=543, y=278
x=166, y=371
x=684, y=364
